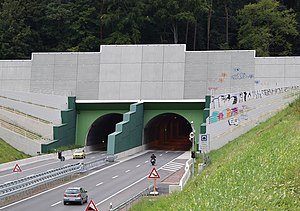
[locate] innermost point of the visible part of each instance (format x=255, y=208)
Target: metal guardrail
x=32, y=181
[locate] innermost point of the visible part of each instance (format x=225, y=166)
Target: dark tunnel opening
x=100, y=129
x=168, y=131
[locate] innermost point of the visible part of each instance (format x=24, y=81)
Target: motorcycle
x=152, y=161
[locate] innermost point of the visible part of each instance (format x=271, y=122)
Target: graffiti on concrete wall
x=230, y=99
x=231, y=106
x=239, y=75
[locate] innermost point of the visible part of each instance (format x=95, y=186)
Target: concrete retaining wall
x=231, y=117
x=17, y=141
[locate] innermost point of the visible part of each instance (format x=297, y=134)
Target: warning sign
x=17, y=168
x=154, y=174
x=91, y=206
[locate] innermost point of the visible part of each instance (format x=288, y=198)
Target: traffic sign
x=17, y=168
x=203, y=137
x=154, y=174
x=91, y=206
x=204, y=143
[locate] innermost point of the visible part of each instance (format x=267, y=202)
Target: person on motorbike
x=153, y=159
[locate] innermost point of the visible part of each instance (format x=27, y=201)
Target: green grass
x=8, y=153
x=258, y=171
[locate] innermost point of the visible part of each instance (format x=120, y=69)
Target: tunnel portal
x=168, y=131
x=100, y=129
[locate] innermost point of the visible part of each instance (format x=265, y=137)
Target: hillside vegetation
x=258, y=171
x=8, y=153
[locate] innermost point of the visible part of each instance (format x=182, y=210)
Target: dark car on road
x=75, y=195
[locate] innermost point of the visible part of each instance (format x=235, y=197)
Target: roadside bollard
x=110, y=206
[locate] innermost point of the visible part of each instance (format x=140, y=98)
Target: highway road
x=113, y=183
x=44, y=165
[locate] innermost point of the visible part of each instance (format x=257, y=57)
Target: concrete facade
x=147, y=72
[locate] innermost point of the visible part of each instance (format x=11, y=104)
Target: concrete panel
x=196, y=57
x=64, y=85
x=40, y=59
x=110, y=72
x=15, y=85
x=109, y=91
x=19, y=142
x=195, y=71
x=152, y=72
x=41, y=86
x=27, y=122
x=17, y=73
x=130, y=90
x=174, y=53
x=89, y=58
x=173, y=72
x=218, y=57
x=153, y=54
x=292, y=70
x=110, y=54
x=65, y=72
x=131, y=54
x=173, y=90
x=66, y=58
x=42, y=73
x=131, y=72
x=88, y=72
x=195, y=89
x=87, y=90
x=270, y=70
x=151, y=90
x=270, y=60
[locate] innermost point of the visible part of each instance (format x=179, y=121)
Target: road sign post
x=154, y=175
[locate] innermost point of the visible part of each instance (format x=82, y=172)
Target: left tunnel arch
x=100, y=129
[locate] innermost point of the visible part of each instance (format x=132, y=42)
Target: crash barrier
x=32, y=181
x=127, y=204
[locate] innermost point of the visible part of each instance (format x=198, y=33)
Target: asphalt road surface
x=114, y=184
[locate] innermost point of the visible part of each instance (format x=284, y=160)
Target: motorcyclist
x=153, y=156
x=153, y=159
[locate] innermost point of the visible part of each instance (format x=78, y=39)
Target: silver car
x=75, y=195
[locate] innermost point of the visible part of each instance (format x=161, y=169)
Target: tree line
x=271, y=27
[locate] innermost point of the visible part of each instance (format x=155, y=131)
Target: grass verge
x=8, y=153
x=260, y=170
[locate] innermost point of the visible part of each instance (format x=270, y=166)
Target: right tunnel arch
x=168, y=131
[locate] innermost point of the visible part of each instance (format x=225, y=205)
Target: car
x=75, y=195
x=79, y=153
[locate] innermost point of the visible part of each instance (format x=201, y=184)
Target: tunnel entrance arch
x=100, y=129
x=168, y=131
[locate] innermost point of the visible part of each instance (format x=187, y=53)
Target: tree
x=14, y=33
x=266, y=27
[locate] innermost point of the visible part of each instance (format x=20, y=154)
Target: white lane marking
x=146, y=161
x=127, y=171
x=138, y=166
x=99, y=183
x=114, y=177
x=55, y=203
x=160, y=155
x=41, y=193
x=120, y=191
x=92, y=157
